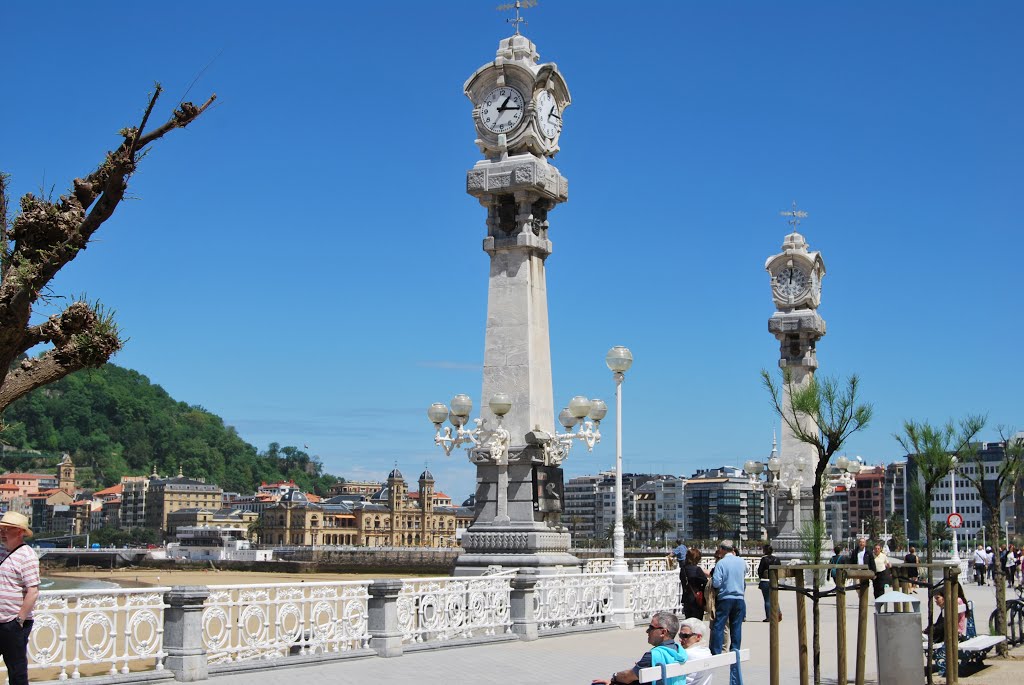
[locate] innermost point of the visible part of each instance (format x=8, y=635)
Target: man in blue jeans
x=729, y=581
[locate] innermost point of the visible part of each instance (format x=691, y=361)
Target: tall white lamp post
x=618, y=359
x=952, y=506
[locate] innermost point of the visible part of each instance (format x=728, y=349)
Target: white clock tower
x=796, y=275
x=517, y=111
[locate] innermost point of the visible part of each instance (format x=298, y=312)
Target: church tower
x=518, y=105
x=66, y=475
x=796, y=274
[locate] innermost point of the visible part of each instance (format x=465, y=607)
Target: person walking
x=883, y=571
x=862, y=556
x=694, y=585
x=980, y=561
x=910, y=562
x=661, y=635
x=729, y=581
x=19, y=589
x=763, y=582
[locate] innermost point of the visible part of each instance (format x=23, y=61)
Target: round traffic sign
x=955, y=520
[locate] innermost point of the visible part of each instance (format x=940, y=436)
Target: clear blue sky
x=305, y=262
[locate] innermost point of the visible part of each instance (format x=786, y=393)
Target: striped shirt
x=19, y=570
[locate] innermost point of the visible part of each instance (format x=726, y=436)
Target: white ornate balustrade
x=242, y=622
x=94, y=629
x=438, y=609
x=572, y=599
x=654, y=591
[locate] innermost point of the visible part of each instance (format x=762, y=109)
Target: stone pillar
x=622, y=600
x=385, y=633
x=183, y=632
x=524, y=620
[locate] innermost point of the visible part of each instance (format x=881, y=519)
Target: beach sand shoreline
x=161, y=577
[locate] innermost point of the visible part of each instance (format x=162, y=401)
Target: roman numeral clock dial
x=502, y=109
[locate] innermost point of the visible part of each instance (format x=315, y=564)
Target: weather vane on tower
x=795, y=215
x=517, y=5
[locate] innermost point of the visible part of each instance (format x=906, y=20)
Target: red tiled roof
x=26, y=476
x=112, y=490
x=9, y=487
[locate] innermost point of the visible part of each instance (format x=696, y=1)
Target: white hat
x=13, y=519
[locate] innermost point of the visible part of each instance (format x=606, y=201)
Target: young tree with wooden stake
x=822, y=413
x=45, y=236
x=933, y=450
x=993, y=492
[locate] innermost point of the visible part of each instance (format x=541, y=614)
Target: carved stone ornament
x=545, y=97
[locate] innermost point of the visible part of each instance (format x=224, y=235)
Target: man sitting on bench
x=661, y=635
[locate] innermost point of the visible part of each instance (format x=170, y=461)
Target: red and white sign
x=955, y=520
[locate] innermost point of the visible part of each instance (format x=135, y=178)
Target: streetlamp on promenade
x=618, y=359
x=952, y=508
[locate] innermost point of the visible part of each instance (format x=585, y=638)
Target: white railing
x=242, y=622
x=438, y=609
x=88, y=630
x=654, y=591
x=707, y=563
x=572, y=599
x=601, y=565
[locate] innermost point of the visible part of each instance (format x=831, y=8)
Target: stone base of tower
x=790, y=544
x=514, y=545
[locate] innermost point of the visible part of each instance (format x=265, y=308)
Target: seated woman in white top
x=692, y=634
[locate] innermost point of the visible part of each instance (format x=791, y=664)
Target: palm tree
x=663, y=526
x=255, y=529
x=722, y=524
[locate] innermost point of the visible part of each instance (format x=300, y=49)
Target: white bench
x=972, y=650
x=655, y=673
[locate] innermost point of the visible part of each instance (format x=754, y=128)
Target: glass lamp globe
x=842, y=462
x=579, y=406
x=437, y=413
x=500, y=404
x=748, y=466
x=462, y=405
x=853, y=467
x=619, y=359
x=774, y=464
x=598, y=410
x=566, y=418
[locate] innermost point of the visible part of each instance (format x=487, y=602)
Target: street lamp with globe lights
x=845, y=476
x=618, y=359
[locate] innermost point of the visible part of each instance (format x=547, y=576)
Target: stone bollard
x=524, y=619
x=183, y=632
x=385, y=633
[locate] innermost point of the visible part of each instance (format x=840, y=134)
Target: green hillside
x=114, y=422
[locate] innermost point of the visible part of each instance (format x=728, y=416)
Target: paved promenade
x=580, y=657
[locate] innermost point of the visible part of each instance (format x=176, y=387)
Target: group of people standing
x=985, y=559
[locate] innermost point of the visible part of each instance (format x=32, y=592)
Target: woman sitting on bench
x=939, y=627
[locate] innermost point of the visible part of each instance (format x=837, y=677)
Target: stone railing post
x=622, y=600
x=385, y=633
x=183, y=632
x=524, y=619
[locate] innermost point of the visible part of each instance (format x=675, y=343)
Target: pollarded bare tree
x=42, y=238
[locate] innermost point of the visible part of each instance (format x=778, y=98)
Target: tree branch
x=89, y=347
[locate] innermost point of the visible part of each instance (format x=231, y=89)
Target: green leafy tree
x=44, y=236
x=722, y=524
x=894, y=523
x=993, y=492
x=933, y=449
x=822, y=413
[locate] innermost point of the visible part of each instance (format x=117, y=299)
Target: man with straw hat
x=19, y=588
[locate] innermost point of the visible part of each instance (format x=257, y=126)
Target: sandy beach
x=146, y=577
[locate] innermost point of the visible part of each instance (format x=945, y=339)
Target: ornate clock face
x=792, y=282
x=502, y=109
x=549, y=119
